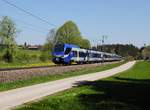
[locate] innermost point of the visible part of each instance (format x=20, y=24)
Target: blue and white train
x=68, y=53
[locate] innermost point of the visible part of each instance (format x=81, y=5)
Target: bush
x=129, y=58
x=1, y=57
x=34, y=57
x=26, y=56
x=146, y=53
x=45, y=56
x=22, y=57
x=8, y=56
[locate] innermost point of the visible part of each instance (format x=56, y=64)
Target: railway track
x=23, y=68
x=14, y=74
x=37, y=67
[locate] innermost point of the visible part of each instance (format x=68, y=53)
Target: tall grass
x=23, y=58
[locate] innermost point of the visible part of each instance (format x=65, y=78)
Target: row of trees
x=126, y=50
x=146, y=53
x=121, y=49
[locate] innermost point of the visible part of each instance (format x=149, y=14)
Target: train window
x=67, y=50
x=99, y=55
x=81, y=54
x=95, y=55
x=105, y=56
x=90, y=54
x=74, y=53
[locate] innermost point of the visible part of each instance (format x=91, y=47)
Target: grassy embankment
x=24, y=65
x=41, y=79
x=126, y=91
x=26, y=58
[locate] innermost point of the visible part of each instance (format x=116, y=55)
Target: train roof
x=82, y=49
x=71, y=45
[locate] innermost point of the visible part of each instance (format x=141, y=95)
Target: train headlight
x=57, y=59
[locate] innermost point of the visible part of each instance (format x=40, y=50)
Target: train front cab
x=62, y=53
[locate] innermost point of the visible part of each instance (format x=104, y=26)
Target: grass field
x=24, y=65
x=126, y=91
x=41, y=79
x=25, y=58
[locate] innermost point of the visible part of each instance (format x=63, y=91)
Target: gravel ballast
x=22, y=74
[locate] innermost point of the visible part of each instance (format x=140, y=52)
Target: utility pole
x=102, y=47
x=94, y=45
x=104, y=37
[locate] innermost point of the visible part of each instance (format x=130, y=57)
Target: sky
x=122, y=21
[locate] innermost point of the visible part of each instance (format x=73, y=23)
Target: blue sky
x=123, y=21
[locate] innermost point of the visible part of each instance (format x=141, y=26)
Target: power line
x=29, y=13
x=32, y=29
x=31, y=25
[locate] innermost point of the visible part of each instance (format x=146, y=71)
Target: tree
x=50, y=41
x=85, y=43
x=121, y=49
x=146, y=53
x=7, y=38
x=48, y=46
x=69, y=33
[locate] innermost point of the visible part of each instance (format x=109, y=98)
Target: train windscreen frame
x=59, y=48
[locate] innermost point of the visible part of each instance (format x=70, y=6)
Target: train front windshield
x=59, y=48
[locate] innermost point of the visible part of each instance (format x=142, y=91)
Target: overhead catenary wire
x=32, y=29
x=29, y=13
x=30, y=26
